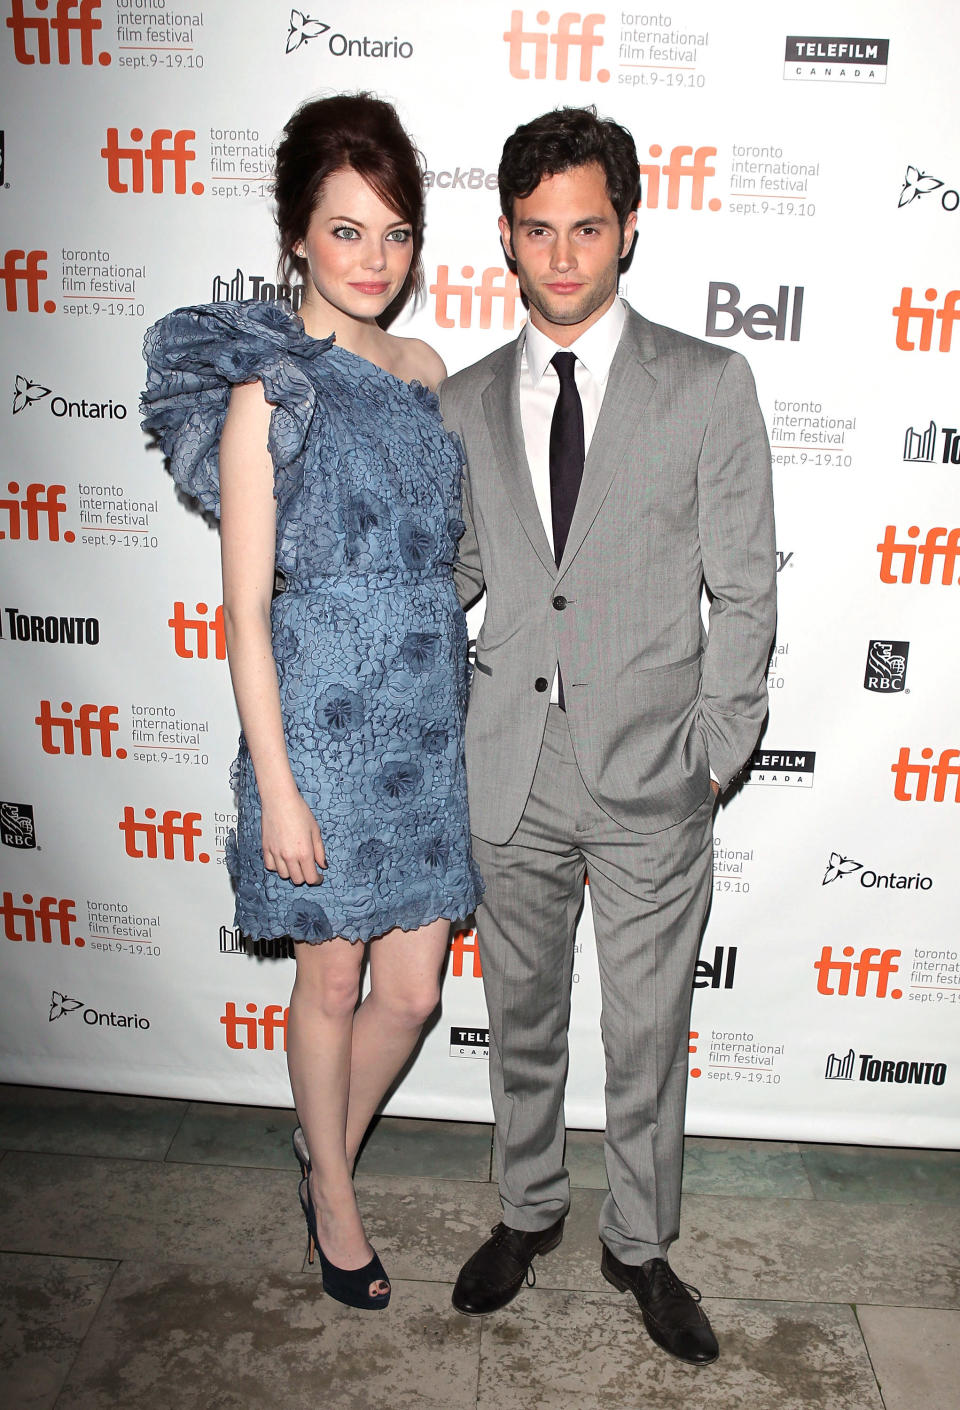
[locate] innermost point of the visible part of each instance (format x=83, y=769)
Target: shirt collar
x=595, y=348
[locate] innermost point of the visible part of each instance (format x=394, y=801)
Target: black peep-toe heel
x=348, y=1285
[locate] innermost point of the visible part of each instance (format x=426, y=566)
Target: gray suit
x=676, y=491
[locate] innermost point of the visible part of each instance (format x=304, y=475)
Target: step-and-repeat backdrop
x=801, y=203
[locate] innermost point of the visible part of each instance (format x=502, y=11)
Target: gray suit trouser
x=649, y=893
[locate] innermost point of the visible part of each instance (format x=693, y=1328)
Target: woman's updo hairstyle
x=357, y=131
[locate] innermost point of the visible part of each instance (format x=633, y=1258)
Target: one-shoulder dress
x=368, y=637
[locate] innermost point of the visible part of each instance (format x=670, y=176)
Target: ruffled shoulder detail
x=196, y=354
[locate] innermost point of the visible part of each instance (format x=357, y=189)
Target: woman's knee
x=410, y=1005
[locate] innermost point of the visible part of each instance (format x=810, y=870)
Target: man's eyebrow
x=528, y=222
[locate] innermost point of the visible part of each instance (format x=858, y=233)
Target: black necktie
x=566, y=451
x=566, y=462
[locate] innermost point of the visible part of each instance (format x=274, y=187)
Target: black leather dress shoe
x=671, y=1310
x=496, y=1272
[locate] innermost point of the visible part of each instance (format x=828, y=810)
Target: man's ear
x=629, y=234
x=505, y=237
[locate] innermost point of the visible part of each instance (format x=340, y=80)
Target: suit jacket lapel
x=629, y=387
x=501, y=406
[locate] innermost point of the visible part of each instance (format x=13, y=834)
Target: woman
x=319, y=442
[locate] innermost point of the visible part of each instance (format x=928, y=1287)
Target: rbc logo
x=31, y=33
x=20, y=922
x=24, y=267
x=92, y=722
x=126, y=165
x=834, y=976
x=565, y=38
x=41, y=504
x=202, y=633
x=175, y=828
x=495, y=283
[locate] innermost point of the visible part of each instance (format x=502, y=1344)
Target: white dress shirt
x=540, y=387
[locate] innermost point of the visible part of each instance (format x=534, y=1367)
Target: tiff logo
x=495, y=283
x=193, y=636
x=126, y=165
x=464, y=949
x=873, y=964
x=31, y=33
x=675, y=172
x=929, y=551
x=840, y=1069
x=946, y=768
x=241, y=1032
x=574, y=31
x=61, y=734
x=177, y=833
x=906, y=311
x=24, y=267
x=55, y=918
x=41, y=505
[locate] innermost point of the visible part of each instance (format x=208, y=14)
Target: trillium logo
x=839, y=867
x=917, y=183
x=60, y=1004
x=25, y=392
x=303, y=29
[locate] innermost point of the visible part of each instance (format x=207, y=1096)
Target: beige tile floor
x=153, y=1257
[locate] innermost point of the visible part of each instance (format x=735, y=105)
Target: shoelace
x=501, y=1233
x=674, y=1284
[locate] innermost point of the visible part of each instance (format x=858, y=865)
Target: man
x=614, y=466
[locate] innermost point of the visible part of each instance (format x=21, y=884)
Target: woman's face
x=358, y=251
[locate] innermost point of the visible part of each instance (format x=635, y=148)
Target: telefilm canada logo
x=829, y=59
x=303, y=29
x=17, y=826
x=62, y=1005
x=839, y=867
x=240, y=286
x=785, y=768
x=886, y=668
x=918, y=1073
x=917, y=184
x=920, y=445
x=469, y=1042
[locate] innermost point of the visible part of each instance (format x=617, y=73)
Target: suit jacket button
x=541, y=684
x=559, y=603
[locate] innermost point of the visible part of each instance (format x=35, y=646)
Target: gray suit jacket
x=676, y=491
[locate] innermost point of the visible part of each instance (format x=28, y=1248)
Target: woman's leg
x=404, y=991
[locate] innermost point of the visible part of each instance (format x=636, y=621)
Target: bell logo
x=41, y=504
x=574, y=31
x=194, y=636
x=495, y=283
x=931, y=549
x=674, y=173
x=946, y=768
x=61, y=734
x=241, y=1031
x=31, y=33
x=464, y=947
x=906, y=311
x=24, y=267
x=834, y=976
x=126, y=165
x=759, y=319
x=54, y=917
x=176, y=833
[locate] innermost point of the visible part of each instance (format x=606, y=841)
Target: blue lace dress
x=368, y=637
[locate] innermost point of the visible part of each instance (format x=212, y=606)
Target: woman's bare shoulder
x=416, y=361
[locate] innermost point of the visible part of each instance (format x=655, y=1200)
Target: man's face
x=566, y=241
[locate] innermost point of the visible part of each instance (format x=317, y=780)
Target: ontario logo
x=61, y=1005
x=873, y=1069
x=839, y=867
x=303, y=29
x=917, y=184
x=27, y=393
x=886, y=668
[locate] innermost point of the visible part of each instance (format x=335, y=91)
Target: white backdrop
x=800, y=199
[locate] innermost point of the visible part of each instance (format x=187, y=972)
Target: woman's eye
x=345, y=232
x=400, y=236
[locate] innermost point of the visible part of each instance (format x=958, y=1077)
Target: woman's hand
x=292, y=845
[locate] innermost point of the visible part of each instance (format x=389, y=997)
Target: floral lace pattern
x=369, y=639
